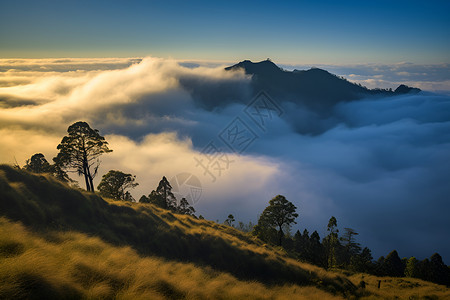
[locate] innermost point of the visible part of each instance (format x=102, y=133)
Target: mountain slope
x=57, y=242
x=316, y=89
x=71, y=265
x=51, y=210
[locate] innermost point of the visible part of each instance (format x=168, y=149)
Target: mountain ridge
x=315, y=88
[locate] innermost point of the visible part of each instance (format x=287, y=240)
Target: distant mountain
x=315, y=88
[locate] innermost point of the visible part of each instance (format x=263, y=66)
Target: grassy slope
x=74, y=265
x=70, y=243
x=401, y=288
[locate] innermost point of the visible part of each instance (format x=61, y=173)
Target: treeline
x=343, y=252
x=164, y=198
x=337, y=250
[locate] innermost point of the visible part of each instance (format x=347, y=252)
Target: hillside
x=60, y=242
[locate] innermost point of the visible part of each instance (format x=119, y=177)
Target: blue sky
x=333, y=32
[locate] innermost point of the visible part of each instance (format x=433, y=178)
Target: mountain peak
x=316, y=89
x=404, y=89
x=250, y=67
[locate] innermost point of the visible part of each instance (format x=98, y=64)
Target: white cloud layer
x=379, y=163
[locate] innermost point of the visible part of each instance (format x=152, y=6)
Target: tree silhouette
x=230, y=219
x=265, y=231
x=143, y=199
x=162, y=197
x=165, y=190
x=393, y=265
x=439, y=272
x=351, y=247
x=61, y=175
x=412, y=268
x=80, y=150
x=278, y=214
x=331, y=242
x=185, y=208
x=316, y=251
x=155, y=199
x=38, y=164
x=128, y=197
x=362, y=262
x=115, y=183
x=302, y=244
x=424, y=269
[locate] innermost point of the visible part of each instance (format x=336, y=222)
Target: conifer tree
x=80, y=150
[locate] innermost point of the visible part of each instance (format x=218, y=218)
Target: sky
x=332, y=32
x=131, y=69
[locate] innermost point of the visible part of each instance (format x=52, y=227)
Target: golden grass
x=58, y=242
x=401, y=288
x=75, y=265
x=43, y=204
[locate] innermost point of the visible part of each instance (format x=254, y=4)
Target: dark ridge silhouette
x=404, y=89
x=316, y=89
x=45, y=205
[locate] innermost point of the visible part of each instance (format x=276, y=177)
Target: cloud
x=165, y=154
x=19, y=144
x=385, y=167
x=375, y=164
x=65, y=65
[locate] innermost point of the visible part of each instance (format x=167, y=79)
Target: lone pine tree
x=80, y=151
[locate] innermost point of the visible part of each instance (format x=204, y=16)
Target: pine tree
x=80, y=150
x=162, y=197
x=438, y=270
x=393, y=265
x=165, y=190
x=362, y=262
x=315, y=250
x=185, y=208
x=331, y=243
x=411, y=269
x=351, y=247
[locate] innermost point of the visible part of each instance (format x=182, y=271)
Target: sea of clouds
x=381, y=166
